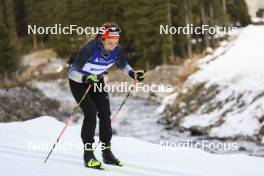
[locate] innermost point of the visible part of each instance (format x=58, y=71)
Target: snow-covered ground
x=237, y=72
x=18, y=156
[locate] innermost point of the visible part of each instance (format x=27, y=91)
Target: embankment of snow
x=225, y=98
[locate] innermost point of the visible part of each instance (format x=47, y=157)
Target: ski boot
x=108, y=156
x=90, y=160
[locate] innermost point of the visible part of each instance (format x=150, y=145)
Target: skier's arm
x=123, y=65
x=121, y=62
x=81, y=58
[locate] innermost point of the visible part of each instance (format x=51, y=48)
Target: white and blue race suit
x=90, y=60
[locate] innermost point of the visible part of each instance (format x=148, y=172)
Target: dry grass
x=14, y=80
x=25, y=79
x=188, y=68
x=116, y=75
x=33, y=69
x=46, y=53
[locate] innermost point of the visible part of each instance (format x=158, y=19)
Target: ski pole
x=68, y=122
x=124, y=101
x=122, y=104
x=113, y=119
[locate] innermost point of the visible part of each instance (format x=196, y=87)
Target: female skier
x=87, y=68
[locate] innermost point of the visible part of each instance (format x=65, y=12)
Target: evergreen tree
x=237, y=9
x=139, y=20
x=8, y=58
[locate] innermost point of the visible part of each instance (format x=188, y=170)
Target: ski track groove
x=128, y=168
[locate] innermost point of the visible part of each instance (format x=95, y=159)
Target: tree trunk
x=187, y=21
x=204, y=22
x=224, y=11
x=35, y=42
x=169, y=20
x=9, y=19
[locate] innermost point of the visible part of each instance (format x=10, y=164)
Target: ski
x=102, y=168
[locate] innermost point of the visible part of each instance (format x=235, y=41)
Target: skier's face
x=110, y=44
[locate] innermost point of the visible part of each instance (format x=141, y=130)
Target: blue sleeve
x=79, y=61
x=82, y=57
x=121, y=62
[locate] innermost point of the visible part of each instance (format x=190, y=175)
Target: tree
x=8, y=58
x=8, y=16
x=204, y=22
x=187, y=8
x=171, y=45
x=238, y=11
x=139, y=20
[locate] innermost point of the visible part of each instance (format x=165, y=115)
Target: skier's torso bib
x=97, y=63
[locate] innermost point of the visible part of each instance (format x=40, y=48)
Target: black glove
x=90, y=79
x=137, y=75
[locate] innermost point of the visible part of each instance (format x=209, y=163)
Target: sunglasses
x=114, y=29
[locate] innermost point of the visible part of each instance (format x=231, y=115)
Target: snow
x=55, y=90
x=257, y=20
x=140, y=158
x=167, y=100
x=45, y=61
x=237, y=68
x=243, y=63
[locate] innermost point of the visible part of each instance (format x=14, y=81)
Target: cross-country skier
x=87, y=68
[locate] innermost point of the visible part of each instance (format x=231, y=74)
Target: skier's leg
x=89, y=123
x=101, y=100
x=89, y=109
